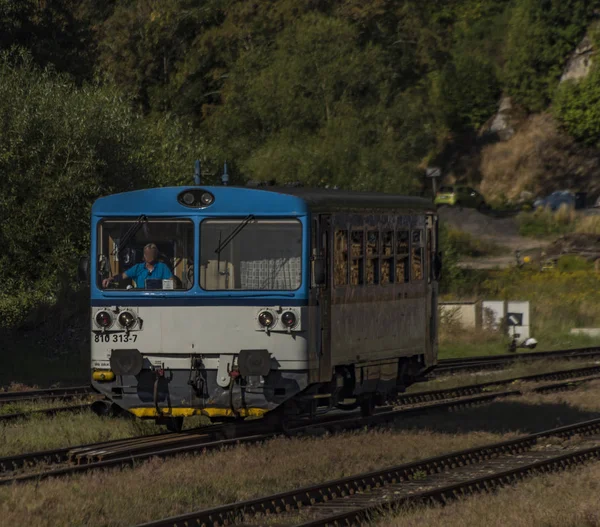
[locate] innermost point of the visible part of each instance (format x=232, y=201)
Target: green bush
x=457, y=281
x=569, y=263
x=468, y=245
x=545, y=222
x=577, y=107
x=540, y=37
x=61, y=147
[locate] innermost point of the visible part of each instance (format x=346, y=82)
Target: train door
x=323, y=243
x=432, y=288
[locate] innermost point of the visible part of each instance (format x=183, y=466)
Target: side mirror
x=318, y=272
x=83, y=269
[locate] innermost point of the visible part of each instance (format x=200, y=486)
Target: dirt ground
x=502, y=230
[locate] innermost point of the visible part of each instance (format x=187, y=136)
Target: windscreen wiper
x=131, y=232
x=234, y=233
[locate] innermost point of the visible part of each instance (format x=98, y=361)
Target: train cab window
x=417, y=255
x=340, y=265
x=250, y=254
x=402, y=257
x=357, y=276
x=372, y=272
x=387, y=257
x=145, y=253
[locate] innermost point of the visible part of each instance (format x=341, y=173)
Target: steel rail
x=499, y=361
x=52, y=393
x=349, y=500
x=472, y=389
x=131, y=456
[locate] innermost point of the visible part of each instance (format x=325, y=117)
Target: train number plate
x=114, y=338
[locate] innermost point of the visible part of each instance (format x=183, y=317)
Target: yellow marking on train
x=103, y=375
x=188, y=412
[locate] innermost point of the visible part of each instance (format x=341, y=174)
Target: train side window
x=387, y=257
x=417, y=255
x=340, y=261
x=357, y=270
x=402, y=257
x=372, y=257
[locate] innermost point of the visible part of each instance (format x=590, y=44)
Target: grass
x=565, y=499
x=545, y=222
x=560, y=299
x=162, y=488
x=38, y=433
x=31, y=406
x=518, y=370
x=494, y=345
x=466, y=244
x=533, y=503
x=175, y=486
x=63, y=430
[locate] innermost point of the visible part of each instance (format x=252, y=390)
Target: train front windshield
x=250, y=254
x=125, y=246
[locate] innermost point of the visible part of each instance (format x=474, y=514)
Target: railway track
x=502, y=361
x=52, y=393
x=350, y=500
x=128, y=452
x=4, y=418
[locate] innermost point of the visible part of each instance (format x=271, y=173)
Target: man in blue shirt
x=150, y=269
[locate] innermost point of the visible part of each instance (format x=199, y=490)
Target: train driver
x=150, y=268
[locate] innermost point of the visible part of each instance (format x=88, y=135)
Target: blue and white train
x=232, y=302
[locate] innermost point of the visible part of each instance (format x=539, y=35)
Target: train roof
x=274, y=200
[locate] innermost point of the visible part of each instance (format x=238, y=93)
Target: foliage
x=456, y=281
x=544, y=221
x=560, y=300
x=316, y=109
x=540, y=37
x=346, y=93
x=56, y=33
x=468, y=245
x=61, y=147
x=577, y=107
x=570, y=263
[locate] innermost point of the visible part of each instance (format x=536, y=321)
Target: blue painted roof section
x=228, y=200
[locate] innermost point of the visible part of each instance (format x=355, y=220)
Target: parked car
x=460, y=196
x=559, y=198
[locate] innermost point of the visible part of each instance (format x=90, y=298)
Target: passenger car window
x=123, y=243
x=417, y=255
x=387, y=257
x=340, y=262
x=264, y=255
x=357, y=275
x=402, y=257
x=372, y=257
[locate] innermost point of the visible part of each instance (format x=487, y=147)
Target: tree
x=317, y=108
x=61, y=147
x=577, y=107
x=541, y=36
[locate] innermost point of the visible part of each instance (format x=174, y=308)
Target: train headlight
x=288, y=319
x=206, y=199
x=126, y=320
x=196, y=198
x=266, y=319
x=103, y=319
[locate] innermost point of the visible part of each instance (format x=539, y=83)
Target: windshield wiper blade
x=234, y=233
x=131, y=232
